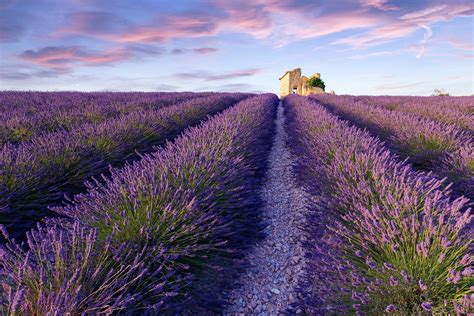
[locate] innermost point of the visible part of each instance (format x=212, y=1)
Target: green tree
x=315, y=82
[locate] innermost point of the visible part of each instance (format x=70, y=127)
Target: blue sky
x=358, y=46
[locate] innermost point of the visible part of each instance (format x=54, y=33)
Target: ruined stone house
x=292, y=82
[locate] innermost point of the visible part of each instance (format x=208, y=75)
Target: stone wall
x=285, y=85
x=313, y=90
x=290, y=83
x=293, y=82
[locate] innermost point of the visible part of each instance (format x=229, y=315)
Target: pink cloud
x=167, y=28
x=285, y=21
x=253, y=18
x=63, y=57
x=378, y=35
x=333, y=23
x=379, y=4
x=93, y=22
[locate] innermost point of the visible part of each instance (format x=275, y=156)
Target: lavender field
x=235, y=204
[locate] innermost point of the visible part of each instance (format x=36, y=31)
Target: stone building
x=292, y=82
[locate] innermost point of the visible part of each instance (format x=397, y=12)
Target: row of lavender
x=389, y=238
x=37, y=173
x=458, y=111
x=24, y=115
x=443, y=148
x=157, y=235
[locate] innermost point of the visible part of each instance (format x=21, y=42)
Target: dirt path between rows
x=277, y=262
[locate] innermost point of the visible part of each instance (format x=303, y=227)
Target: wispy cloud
x=374, y=54
x=426, y=37
x=63, y=57
x=383, y=5
x=206, y=76
x=162, y=28
x=205, y=50
x=200, y=50
x=22, y=72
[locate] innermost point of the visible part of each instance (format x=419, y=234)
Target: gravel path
x=276, y=263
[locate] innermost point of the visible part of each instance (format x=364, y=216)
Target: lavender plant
x=188, y=210
x=66, y=270
x=429, y=145
x=393, y=241
x=38, y=173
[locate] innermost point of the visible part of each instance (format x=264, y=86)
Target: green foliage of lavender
x=156, y=234
x=392, y=240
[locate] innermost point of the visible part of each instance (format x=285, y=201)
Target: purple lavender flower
x=355, y=296
x=390, y=308
x=465, y=260
x=427, y=306
x=388, y=266
x=422, y=285
x=393, y=281
x=467, y=272
x=445, y=243
x=370, y=263
x=454, y=276
x=4, y=232
x=405, y=276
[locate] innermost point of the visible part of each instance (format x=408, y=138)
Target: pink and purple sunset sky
x=358, y=46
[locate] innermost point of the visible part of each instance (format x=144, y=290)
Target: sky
x=373, y=47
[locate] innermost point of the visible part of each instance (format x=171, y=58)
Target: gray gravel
x=277, y=262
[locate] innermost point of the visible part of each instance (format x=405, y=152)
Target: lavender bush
x=393, y=241
x=177, y=217
x=67, y=270
x=37, y=173
x=430, y=145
